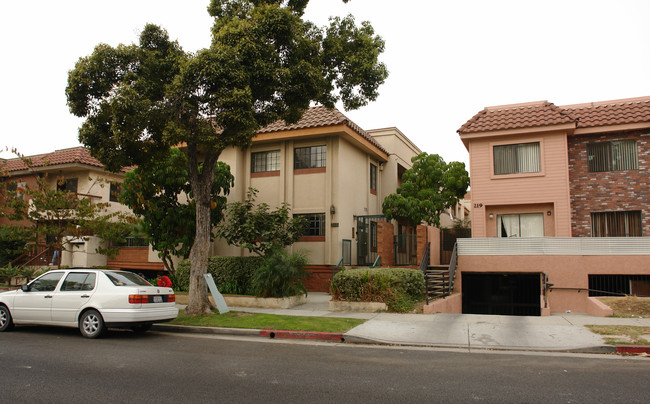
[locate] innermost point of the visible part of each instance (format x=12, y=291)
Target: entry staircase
x=439, y=278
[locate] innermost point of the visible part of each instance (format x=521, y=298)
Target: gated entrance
x=502, y=293
x=367, y=238
x=406, y=246
x=448, y=240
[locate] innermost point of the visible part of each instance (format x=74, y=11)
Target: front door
x=367, y=238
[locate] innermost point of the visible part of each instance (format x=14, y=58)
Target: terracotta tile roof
x=543, y=113
x=316, y=117
x=616, y=112
x=516, y=116
x=75, y=155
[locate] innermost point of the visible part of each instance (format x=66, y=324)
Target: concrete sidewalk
x=560, y=332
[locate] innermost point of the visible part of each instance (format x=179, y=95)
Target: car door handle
x=48, y=296
x=85, y=296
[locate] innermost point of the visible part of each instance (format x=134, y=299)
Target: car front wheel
x=91, y=324
x=6, y=323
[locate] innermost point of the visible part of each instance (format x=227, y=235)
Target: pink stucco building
x=561, y=207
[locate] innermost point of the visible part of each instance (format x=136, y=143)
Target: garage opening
x=503, y=293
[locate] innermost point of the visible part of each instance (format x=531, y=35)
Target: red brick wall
x=422, y=233
x=611, y=190
x=385, y=232
x=319, y=278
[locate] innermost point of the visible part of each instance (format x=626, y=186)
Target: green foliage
x=161, y=195
x=42, y=211
x=265, y=63
x=29, y=273
x=399, y=288
x=281, y=274
x=232, y=275
x=428, y=188
x=13, y=242
x=9, y=272
x=258, y=228
x=263, y=321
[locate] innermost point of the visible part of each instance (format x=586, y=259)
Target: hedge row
x=396, y=287
x=232, y=275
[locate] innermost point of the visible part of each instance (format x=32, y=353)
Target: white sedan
x=90, y=299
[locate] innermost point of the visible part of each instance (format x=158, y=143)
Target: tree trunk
x=201, y=183
x=168, y=263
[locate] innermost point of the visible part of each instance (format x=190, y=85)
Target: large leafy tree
x=265, y=63
x=428, y=188
x=162, y=197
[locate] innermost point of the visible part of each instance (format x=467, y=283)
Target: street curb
x=633, y=349
x=189, y=329
x=326, y=336
x=599, y=349
x=253, y=332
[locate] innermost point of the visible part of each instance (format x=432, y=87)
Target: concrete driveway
x=477, y=331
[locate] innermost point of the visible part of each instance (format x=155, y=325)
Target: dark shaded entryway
x=502, y=293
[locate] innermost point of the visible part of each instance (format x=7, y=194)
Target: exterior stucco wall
x=564, y=271
x=611, y=190
x=550, y=187
x=401, y=150
x=342, y=187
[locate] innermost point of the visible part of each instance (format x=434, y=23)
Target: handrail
x=588, y=290
x=377, y=262
x=32, y=258
x=424, y=263
x=452, y=268
x=339, y=265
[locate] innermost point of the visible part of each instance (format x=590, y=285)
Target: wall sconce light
x=491, y=215
x=332, y=209
x=548, y=213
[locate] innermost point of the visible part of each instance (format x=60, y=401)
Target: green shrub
x=399, y=288
x=281, y=274
x=232, y=275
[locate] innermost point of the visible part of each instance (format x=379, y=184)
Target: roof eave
x=611, y=128
x=320, y=131
x=566, y=127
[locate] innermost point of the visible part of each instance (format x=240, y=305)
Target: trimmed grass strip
x=239, y=319
x=622, y=334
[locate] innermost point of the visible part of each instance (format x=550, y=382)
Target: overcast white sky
x=447, y=59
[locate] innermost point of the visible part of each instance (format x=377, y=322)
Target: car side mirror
x=24, y=288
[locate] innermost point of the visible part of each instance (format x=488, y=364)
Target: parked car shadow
x=113, y=333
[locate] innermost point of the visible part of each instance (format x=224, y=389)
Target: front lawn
x=629, y=306
x=623, y=334
x=238, y=319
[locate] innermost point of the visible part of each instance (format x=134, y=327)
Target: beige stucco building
x=329, y=170
x=76, y=171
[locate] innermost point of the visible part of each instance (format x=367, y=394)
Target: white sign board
x=218, y=298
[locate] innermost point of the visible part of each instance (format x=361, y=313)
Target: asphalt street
x=42, y=364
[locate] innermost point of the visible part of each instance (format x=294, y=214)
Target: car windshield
x=123, y=278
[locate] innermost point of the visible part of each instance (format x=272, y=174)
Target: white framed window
x=520, y=225
x=517, y=158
